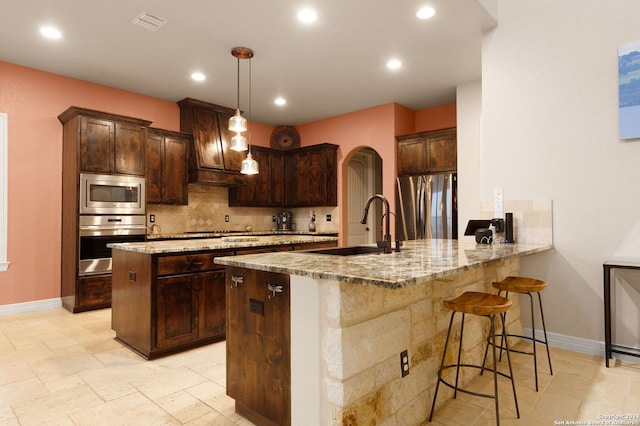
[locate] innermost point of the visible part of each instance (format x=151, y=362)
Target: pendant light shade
x=238, y=123
x=239, y=143
x=249, y=166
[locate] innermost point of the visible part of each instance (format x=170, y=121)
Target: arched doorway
x=364, y=178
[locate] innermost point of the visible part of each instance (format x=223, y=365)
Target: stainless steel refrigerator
x=426, y=206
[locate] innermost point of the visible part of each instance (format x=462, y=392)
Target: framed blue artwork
x=629, y=90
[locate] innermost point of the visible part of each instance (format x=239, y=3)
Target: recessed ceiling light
x=280, y=101
x=307, y=15
x=394, y=64
x=425, y=12
x=50, y=32
x=198, y=76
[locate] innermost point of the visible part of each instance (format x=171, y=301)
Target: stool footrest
x=531, y=339
x=484, y=395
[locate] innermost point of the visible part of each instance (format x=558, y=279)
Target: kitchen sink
x=347, y=251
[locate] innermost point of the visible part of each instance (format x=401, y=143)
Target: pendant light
x=249, y=166
x=238, y=123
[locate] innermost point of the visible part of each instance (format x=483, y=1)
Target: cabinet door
x=316, y=179
x=258, y=344
x=442, y=151
x=177, y=310
x=212, y=318
x=130, y=149
x=206, y=133
x=174, y=171
x=96, y=145
x=276, y=170
x=412, y=156
x=154, y=168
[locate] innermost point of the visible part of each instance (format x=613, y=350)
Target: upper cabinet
x=429, y=152
x=210, y=158
x=311, y=176
x=166, y=167
x=266, y=188
x=302, y=177
x=108, y=143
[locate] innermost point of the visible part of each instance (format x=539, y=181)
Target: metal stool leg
x=513, y=383
x=544, y=329
x=455, y=390
x=533, y=340
x=444, y=354
x=495, y=368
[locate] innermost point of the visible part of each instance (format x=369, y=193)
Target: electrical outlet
x=226, y=218
x=328, y=218
x=152, y=218
x=498, y=202
x=404, y=363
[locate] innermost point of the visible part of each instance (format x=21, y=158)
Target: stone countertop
x=216, y=234
x=234, y=241
x=418, y=261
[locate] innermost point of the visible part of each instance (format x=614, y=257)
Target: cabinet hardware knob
x=237, y=279
x=273, y=290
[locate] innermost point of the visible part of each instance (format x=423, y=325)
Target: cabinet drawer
x=270, y=249
x=94, y=291
x=186, y=263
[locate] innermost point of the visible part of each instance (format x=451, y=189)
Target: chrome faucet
x=386, y=238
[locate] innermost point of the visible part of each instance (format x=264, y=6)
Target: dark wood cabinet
x=429, y=152
x=95, y=142
x=303, y=177
x=182, y=297
x=211, y=160
x=258, y=345
x=266, y=189
x=166, y=167
x=311, y=176
x=108, y=143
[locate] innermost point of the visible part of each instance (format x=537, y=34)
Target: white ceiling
x=334, y=66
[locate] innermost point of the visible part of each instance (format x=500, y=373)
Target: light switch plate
x=498, y=202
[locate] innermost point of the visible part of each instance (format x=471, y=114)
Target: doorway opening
x=364, y=179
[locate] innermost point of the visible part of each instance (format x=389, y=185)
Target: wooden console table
x=607, y=267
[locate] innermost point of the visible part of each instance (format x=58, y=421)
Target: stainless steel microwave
x=111, y=194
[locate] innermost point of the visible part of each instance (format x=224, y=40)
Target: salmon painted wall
x=375, y=128
x=33, y=100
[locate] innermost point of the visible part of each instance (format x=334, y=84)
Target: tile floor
x=57, y=368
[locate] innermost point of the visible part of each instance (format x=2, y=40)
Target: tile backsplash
x=532, y=219
x=208, y=206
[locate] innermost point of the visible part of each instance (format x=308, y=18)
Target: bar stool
x=487, y=305
x=527, y=286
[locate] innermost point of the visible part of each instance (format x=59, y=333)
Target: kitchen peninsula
x=326, y=332
x=169, y=295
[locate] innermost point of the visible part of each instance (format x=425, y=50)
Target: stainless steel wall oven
x=98, y=231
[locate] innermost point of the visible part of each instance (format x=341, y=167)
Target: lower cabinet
x=258, y=345
x=165, y=304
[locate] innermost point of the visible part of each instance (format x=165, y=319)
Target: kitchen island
x=169, y=295
x=329, y=330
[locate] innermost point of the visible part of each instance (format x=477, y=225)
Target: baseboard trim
x=578, y=344
x=36, y=305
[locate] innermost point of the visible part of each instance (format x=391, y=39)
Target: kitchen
x=587, y=134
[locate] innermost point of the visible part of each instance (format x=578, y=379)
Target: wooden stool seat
x=520, y=285
x=476, y=303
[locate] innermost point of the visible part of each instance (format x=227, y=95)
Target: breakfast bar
x=350, y=319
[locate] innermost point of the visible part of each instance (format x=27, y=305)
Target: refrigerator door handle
x=422, y=207
x=428, y=205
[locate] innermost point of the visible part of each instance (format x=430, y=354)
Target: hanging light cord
x=238, y=80
x=249, y=112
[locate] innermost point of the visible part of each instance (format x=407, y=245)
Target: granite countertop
x=234, y=241
x=216, y=234
x=418, y=261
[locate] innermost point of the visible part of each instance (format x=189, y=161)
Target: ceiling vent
x=148, y=21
